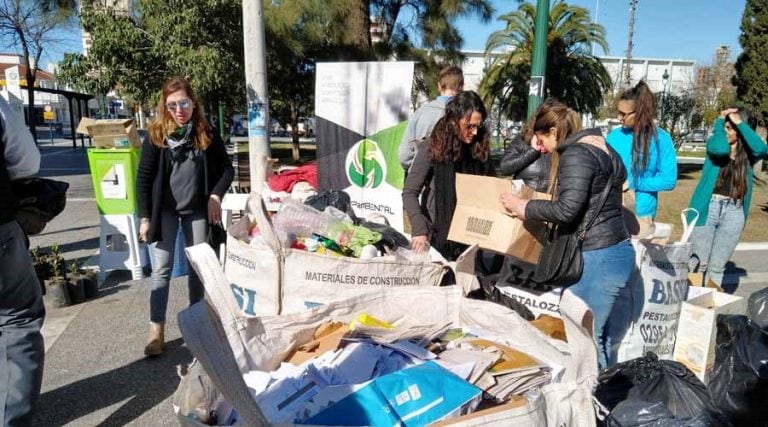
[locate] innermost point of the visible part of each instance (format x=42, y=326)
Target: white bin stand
x=119, y=247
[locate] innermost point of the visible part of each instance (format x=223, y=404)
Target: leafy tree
x=136, y=53
x=574, y=75
x=751, y=79
x=27, y=26
x=675, y=110
x=302, y=32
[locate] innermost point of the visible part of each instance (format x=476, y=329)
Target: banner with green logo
x=362, y=110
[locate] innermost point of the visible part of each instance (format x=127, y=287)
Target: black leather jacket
x=582, y=175
x=521, y=161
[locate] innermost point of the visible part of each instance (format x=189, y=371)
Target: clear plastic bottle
x=301, y=220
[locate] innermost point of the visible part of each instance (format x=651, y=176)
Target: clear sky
x=686, y=29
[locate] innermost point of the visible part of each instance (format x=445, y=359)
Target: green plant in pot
x=57, y=294
x=75, y=284
x=61, y=268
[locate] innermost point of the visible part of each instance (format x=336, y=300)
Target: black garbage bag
x=739, y=381
x=390, y=237
x=489, y=292
x=638, y=413
x=683, y=398
x=758, y=308
x=337, y=198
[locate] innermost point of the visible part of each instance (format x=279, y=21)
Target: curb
x=752, y=246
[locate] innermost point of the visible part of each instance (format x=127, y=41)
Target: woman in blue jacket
x=646, y=150
x=724, y=192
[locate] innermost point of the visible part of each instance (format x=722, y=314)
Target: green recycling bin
x=113, y=171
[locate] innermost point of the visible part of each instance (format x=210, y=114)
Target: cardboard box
x=697, y=330
x=110, y=133
x=480, y=218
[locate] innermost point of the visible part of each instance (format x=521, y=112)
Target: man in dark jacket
x=21, y=304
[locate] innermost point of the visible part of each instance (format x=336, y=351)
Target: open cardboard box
x=110, y=133
x=480, y=218
x=697, y=330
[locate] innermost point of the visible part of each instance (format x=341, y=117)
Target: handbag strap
x=601, y=202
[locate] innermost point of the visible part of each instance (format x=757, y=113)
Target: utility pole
x=628, y=65
x=539, y=57
x=256, y=91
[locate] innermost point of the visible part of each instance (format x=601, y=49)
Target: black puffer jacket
x=582, y=175
x=521, y=161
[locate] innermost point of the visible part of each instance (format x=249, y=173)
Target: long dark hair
x=644, y=129
x=445, y=141
x=736, y=168
x=555, y=114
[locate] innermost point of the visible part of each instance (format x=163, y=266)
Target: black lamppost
x=664, y=83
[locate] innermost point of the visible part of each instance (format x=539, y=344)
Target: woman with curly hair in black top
x=459, y=143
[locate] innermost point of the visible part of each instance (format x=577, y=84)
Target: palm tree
x=574, y=75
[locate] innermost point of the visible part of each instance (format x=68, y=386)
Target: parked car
x=697, y=136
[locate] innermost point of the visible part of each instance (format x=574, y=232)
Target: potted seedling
x=57, y=285
x=61, y=268
x=75, y=284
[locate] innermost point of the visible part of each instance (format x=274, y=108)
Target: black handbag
x=39, y=201
x=561, y=262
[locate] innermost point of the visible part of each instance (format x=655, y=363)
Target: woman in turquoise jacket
x=646, y=150
x=724, y=192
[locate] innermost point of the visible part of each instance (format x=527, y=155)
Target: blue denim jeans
x=715, y=241
x=606, y=273
x=195, y=232
x=21, y=316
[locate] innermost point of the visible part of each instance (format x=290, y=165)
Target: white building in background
x=681, y=72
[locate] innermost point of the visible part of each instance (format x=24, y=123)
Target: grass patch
x=672, y=202
x=699, y=154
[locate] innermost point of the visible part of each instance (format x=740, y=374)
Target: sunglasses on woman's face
x=184, y=104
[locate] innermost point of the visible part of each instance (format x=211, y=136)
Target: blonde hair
x=555, y=114
x=163, y=124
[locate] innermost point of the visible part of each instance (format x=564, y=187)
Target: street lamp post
x=664, y=83
x=539, y=57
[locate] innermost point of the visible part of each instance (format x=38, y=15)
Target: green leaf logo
x=366, y=165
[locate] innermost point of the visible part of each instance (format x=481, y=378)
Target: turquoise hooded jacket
x=659, y=175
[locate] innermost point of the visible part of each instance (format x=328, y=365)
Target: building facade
x=681, y=73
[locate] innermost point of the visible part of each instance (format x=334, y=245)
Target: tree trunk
x=360, y=28
x=31, y=107
x=295, y=154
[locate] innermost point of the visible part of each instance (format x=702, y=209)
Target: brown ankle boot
x=156, y=339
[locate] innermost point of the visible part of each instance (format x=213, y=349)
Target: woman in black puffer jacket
x=582, y=165
x=522, y=161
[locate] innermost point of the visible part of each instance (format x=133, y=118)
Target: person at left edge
x=22, y=312
x=183, y=174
